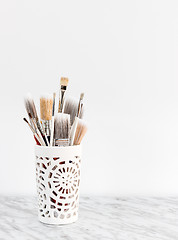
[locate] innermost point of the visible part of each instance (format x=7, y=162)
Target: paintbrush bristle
x=64, y=81
x=30, y=106
x=80, y=132
x=46, y=106
x=81, y=96
x=61, y=126
x=71, y=107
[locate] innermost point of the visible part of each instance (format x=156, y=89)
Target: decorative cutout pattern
x=58, y=181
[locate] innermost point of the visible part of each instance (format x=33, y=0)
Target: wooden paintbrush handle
x=36, y=141
x=59, y=107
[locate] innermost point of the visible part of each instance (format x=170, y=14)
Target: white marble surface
x=99, y=218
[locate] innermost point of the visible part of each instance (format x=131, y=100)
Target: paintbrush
x=37, y=139
x=80, y=105
x=71, y=107
x=37, y=130
x=75, y=123
x=80, y=132
x=46, y=105
x=30, y=108
x=63, y=83
x=61, y=129
x=52, y=121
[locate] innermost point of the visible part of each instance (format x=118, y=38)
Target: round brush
x=37, y=139
x=46, y=105
x=37, y=131
x=31, y=108
x=80, y=132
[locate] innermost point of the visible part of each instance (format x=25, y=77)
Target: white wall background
x=124, y=56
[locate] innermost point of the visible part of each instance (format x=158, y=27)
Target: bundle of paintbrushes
x=64, y=128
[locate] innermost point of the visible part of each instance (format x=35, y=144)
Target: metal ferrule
x=61, y=142
x=63, y=88
x=40, y=127
x=47, y=127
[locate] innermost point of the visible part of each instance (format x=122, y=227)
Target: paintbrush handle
x=38, y=133
x=52, y=131
x=62, y=100
x=37, y=142
x=41, y=128
x=41, y=138
x=37, y=139
x=59, y=107
x=73, y=131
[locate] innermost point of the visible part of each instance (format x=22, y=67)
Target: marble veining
x=99, y=218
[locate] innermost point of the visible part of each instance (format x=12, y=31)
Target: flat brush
x=80, y=132
x=74, y=125
x=52, y=122
x=37, y=139
x=71, y=107
x=37, y=131
x=46, y=105
x=63, y=83
x=61, y=129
